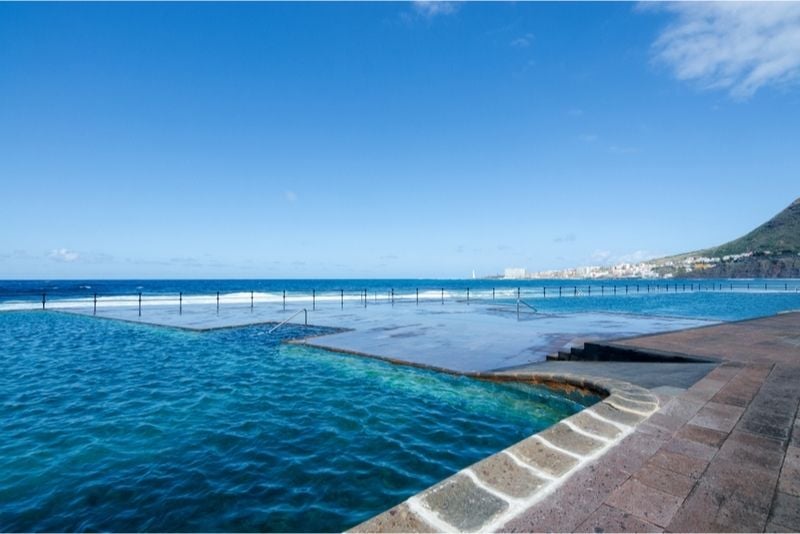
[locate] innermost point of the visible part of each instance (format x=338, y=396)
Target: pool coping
x=490, y=493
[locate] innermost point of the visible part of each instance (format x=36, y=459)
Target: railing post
x=251, y=301
x=467, y=296
x=365, y=298
x=518, y=293
x=313, y=299
x=392, y=296
x=492, y=293
x=342, y=290
x=95, y=304
x=284, y=300
x=217, y=302
x=417, y=296
x=574, y=291
x=559, y=291
x=615, y=290
x=602, y=290
x=442, y=296
x=305, y=321
x=544, y=292
x=140, y=304
x=44, y=297
x=590, y=290
x=180, y=303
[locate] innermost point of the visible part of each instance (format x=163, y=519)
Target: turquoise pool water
x=115, y=426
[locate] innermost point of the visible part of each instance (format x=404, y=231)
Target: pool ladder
x=292, y=316
x=520, y=301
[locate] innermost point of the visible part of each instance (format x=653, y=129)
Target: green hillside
x=779, y=235
x=772, y=250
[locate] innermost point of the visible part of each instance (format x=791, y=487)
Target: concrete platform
x=456, y=337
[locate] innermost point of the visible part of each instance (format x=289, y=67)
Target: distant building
x=514, y=272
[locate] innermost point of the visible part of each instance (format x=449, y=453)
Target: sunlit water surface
x=114, y=426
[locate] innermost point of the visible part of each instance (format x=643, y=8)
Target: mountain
x=770, y=251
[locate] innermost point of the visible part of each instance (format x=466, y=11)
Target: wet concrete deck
x=723, y=455
x=456, y=336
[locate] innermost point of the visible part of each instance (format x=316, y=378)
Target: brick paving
x=724, y=455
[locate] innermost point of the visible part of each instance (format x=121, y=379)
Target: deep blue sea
x=113, y=426
x=719, y=299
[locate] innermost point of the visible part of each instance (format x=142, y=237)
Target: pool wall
x=490, y=493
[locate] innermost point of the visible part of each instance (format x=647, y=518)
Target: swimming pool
x=114, y=426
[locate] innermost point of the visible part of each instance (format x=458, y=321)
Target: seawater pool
x=111, y=426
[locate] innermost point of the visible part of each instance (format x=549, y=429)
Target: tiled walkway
x=722, y=456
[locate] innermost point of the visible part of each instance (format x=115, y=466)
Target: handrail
x=520, y=301
x=292, y=316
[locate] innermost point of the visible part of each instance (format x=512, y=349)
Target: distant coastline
x=770, y=251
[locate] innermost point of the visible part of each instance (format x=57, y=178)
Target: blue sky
x=387, y=139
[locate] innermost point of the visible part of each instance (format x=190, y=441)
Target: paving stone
x=536, y=453
x=775, y=527
x=690, y=448
x=736, y=393
x=752, y=451
x=667, y=481
x=680, y=463
x=667, y=422
x=502, y=473
x=595, y=426
x=633, y=452
x=706, y=509
x=706, y=436
x=724, y=372
x=781, y=403
x=633, y=392
x=565, y=438
x=722, y=417
x=789, y=481
x=682, y=409
x=569, y=505
x=757, y=375
x=618, y=416
x=610, y=519
x=647, y=503
x=646, y=407
x=461, y=503
x=767, y=423
x=654, y=430
x=398, y=519
x=786, y=511
x=704, y=389
x=752, y=486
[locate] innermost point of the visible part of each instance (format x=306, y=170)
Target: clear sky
x=388, y=139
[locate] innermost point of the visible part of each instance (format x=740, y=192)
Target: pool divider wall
x=488, y=494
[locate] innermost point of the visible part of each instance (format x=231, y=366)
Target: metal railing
x=292, y=316
x=314, y=298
